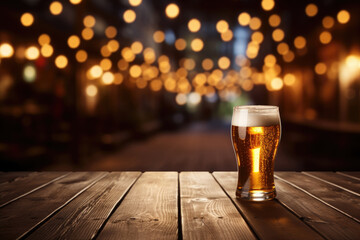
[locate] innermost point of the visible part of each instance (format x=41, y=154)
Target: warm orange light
x=255, y=23
x=46, y=50
x=105, y=64
x=113, y=45
x=135, y=3
x=172, y=10
x=289, y=56
x=227, y=36
x=129, y=16
x=257, y=37
x=289, y=79
x=27, y=19
x=159, y=36
x=270, y=60
x=75, y=2
x=274, y=20
x=105, y=51
x=207, y=64
x=73, y=41
x=95, y=71
x=282, y=48
x=87, y=33
x=197, y=45
x=299, y=42
x=222, y=26
x=244, y=19
x=181, y=99
x=44, y=39
x=122, y=64
x=328, y=22
x=56, y=8
x=89, y=21
x=343, y=16
x=136, y=47
x=149, y=55
x=311, y=10
x=118, y=78
x=81, y=56
x=325, y=37
x=180, y=44
x=278, y=35
x=127, y=54
x=320, y=68
x=61, y=61
x=189, y=64
x=276, y=84
x=91, y=90
x=135, y=71
x=6, y=50
x=194, y=25
x=267, y=5
x=224, y=62
x=32, y=53
x=110, y=32
x=107, y=78
x=156, y=85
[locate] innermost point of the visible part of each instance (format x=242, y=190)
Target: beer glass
x=255, y=134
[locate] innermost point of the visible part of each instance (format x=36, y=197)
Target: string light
x=194, y=25
x=311, y=10
x=129, y=16
x=180, y=44
x=343, y=16
x=89, y=21
x=6, y=50
x=244, y=19
x=135, y=3
x=27, y=19
x=32, y=53
x=172, y=10
x=61, y=61
x=55, y=8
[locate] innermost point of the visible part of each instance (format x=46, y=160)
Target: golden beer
x=255, y=134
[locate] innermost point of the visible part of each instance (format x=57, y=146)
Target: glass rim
x=257, y=108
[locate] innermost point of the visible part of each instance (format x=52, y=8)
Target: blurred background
x=150, y=84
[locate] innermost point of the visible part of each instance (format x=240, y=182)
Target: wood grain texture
x=351, y=184
x=83, y=217
x=207, y=212
x=328, y=222
x=269, y=219
x=149, y=210
x=21, y=216
x=353, y=174
x=338, y=198
x=13, y=176
x=20, y=186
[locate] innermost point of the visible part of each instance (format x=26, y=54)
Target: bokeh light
x=180, y=44
x=278, y=35
x=32, y=53
x=110, y=32
x=343, y=16
x=81, y=56
x=311, y=10
x=328, y=22
x=6, y=50
x=73, y=41
x=129, y=16
x=244, y=19
x=299, y=42
x=87, y=33
x=320, y=68
x=91, y=90
x=224, y=62
x=267, y=5
x=325, y=37
x=197, y=45
x=172, y=10
x=47, y=50
x=274, y=20
x=222, y=26
x=194, y=25
x=56, y=8
x=44, y=39
x=135, y=3
x=27, y=19
x=159, y=36
x=89, y=21
x=61, y=61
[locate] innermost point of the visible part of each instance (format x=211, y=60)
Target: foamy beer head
x=255, y=116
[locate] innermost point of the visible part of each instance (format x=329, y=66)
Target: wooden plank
x=207, y=212
x=25, y=214
x=328, y=222
x=269, y=219
x=13, y=176
x=349, y=184
x=352, y=174
x=21, y=186
x=341, y=200
x=149, y=210
x=83, y=217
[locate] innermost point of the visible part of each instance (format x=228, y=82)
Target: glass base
x=255, y=195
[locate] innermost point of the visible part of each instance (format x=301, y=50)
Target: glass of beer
x=255, y=134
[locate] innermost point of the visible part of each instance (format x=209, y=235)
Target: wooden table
x=171, y=205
